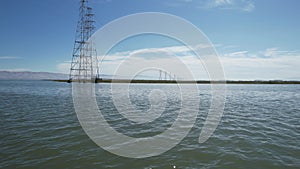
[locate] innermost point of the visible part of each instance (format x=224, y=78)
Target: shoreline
x=186, y=81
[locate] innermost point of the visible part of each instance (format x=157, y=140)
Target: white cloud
x=261, y=68
x=164, y=58
x=9, y=57
x=16, y=70
x=63, y=67
x=238, y=54
x=268, y=64
x=271, y=63
x=242, y=5
x=218, y=3
x=249, y=7
x=270, y=52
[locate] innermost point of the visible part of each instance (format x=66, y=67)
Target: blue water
x=260, y=128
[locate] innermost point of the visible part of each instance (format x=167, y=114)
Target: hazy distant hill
x=7, y=75
x=26, y=75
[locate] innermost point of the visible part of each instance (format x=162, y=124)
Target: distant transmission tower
x=84, y=65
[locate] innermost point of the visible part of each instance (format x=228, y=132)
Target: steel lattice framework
x=84, y=65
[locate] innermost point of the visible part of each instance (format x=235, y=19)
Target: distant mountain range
x=26, y=75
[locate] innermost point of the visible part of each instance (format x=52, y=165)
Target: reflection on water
x=259, y=129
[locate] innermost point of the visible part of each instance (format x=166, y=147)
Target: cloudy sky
x=254, y=39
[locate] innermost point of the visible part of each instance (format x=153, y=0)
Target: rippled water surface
x=260, y=128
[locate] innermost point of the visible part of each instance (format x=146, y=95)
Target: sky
x=255, y=39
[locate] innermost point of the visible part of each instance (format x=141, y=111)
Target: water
x=259, y=129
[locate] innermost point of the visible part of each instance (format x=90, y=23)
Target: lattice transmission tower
x=84, y=65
